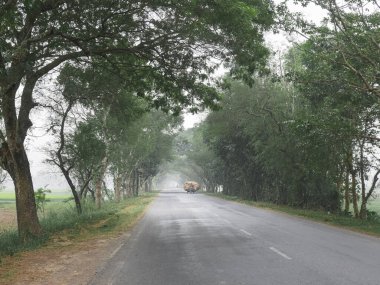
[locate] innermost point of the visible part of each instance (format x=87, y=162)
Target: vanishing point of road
x=187, y=239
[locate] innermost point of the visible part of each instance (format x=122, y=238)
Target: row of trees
x=309, y=136
x=164, y=51
x=97, y=126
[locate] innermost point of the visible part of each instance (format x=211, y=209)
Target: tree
x=168, y=45
x=338, y=77
x=351, y=29
x=108, y=106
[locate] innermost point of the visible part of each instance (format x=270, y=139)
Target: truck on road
x=191, y=186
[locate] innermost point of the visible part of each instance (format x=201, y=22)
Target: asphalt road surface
x=189, y=239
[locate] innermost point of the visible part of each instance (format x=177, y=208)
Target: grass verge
x=371, y=227
x=63, y=222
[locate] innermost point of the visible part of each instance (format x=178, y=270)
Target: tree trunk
x=365, y=197
x=363, y=207
x=78, y=204
x=98, y=192
x=150, y=182
x=354, y=195
x=136, y=183
x=14, y=158
x=92, y=192
x=66, y=174
x=347, y=193
x=129, y=183
x=117, y=184
x=27, y=218
x=353, y=183
x=84, y=181
x=124, y=186
x=99, y=182
x=61, y=161
x=363, y=210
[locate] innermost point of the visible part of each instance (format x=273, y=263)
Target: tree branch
x=27, y=104
x=373, y=186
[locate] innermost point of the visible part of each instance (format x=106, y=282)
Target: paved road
x=189, y=239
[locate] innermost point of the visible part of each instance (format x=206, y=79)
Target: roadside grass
x=371, y=226
x=7, y=205
x=60, y=220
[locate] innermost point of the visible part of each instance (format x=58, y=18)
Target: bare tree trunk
x=84, y=181
x=62, y=163
x=124, y=186
x=363, y=209
x=129, y=184
x=365, y=197
x=353, y=183
x=27, y=219
x=135, y=183
x=117, y=184
x=150, y=184
x=354, y=195
x=347, y=193
x=99, y=182
x=78, y=204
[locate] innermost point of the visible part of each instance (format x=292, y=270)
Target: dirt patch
x=7, y=219
x=73, y=258
x=61, y=262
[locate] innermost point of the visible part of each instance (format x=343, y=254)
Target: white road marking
x=116, y=250
x=247, y=233
x=280, y=253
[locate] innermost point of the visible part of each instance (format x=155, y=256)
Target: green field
x=374, y=205
x=9, y=197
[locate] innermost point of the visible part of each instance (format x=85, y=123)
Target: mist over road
x=196, y=239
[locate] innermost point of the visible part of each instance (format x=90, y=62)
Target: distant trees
x=260, y=137
x=195, y=160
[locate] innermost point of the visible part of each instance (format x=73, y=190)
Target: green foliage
x=166, y=55
x=86, y=147
x=269, y=151
x=147, y=143
x=40, y=197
